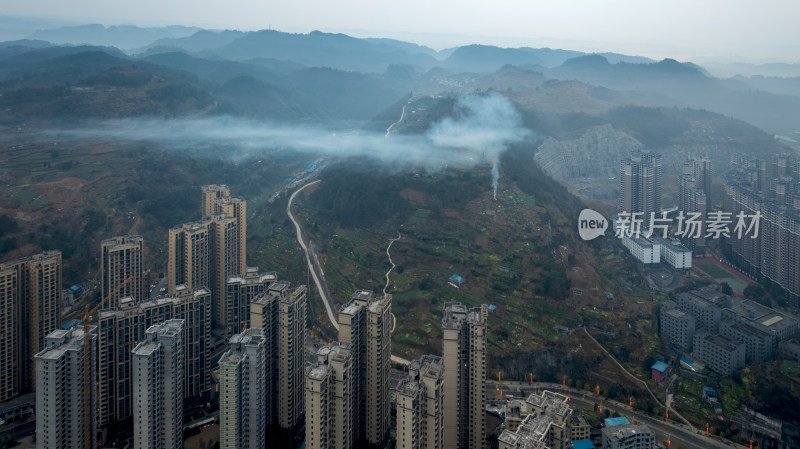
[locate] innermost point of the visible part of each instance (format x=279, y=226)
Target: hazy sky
x=702, y=29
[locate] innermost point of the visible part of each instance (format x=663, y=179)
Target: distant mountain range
x=124, y=36
x=322, y=75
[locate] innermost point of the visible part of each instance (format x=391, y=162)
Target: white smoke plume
x=495, y=177
x=481, y=128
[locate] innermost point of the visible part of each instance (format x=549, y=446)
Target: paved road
x=677, y=433
x=311, y=266
x=314, y=267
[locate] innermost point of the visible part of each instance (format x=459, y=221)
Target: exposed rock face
x=596, y=154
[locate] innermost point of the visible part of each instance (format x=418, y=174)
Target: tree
x=755, y=292
x=726, y=288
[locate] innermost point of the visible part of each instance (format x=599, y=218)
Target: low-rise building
x=674, y=253
x=677, y=326
x=659, y=371
x=759, y=345
x=719, y=353
x=707, y=315
x=547, y=426
x=643, y=249
x=579, y=429
x=628, y=436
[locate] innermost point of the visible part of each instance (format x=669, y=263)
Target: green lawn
x=714, y=271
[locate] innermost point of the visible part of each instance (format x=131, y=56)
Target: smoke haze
x=480, y=130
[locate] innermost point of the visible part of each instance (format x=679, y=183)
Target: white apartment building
x=242, y=378
x=158, y=387
x=66, y=416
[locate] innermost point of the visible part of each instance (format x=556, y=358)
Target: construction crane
x=87, y=360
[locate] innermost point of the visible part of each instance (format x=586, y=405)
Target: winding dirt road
x=402, y=116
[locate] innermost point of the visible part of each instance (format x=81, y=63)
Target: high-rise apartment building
x=694, y=196
x=330, y=398
x=280, y=312
x=464, y=355
x=366, y=323
x=63, y=403
x=420, y=405
x=217, y=200
x=122, y=269
x=291, y=358
x=30, y=308
x=11, y=383
x=121, y=329
x=243, y=383
x=240, y=291
x=640, y=183
x=190, y=254
x=773, y=191
x=204, y=254
x=158, y=385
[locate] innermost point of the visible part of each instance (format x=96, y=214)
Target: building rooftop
x=713, y=296
x=317, y=371
x=338, y=351
x=454, y=314
x=678, y=313
x=624, y=431
x=549, y=402
x=620, y=421
x=146, y=347
x=62, y=340
x=248, y=343
x=351, y=308
x=579, y=420
x=362, y=295
x=764, y=317
x=41, y=257
x=377, y=305
x=671, y=243
x=697, y=301
x=660, y=367
x=750, y=331
x=582, y=444
x=641, y=240
x=408, y=387
x=279, y=287
x=722, y=342
x=252, y=276
x=550, y=409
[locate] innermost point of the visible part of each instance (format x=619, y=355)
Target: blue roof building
x=660, y=367
x=457, y=278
